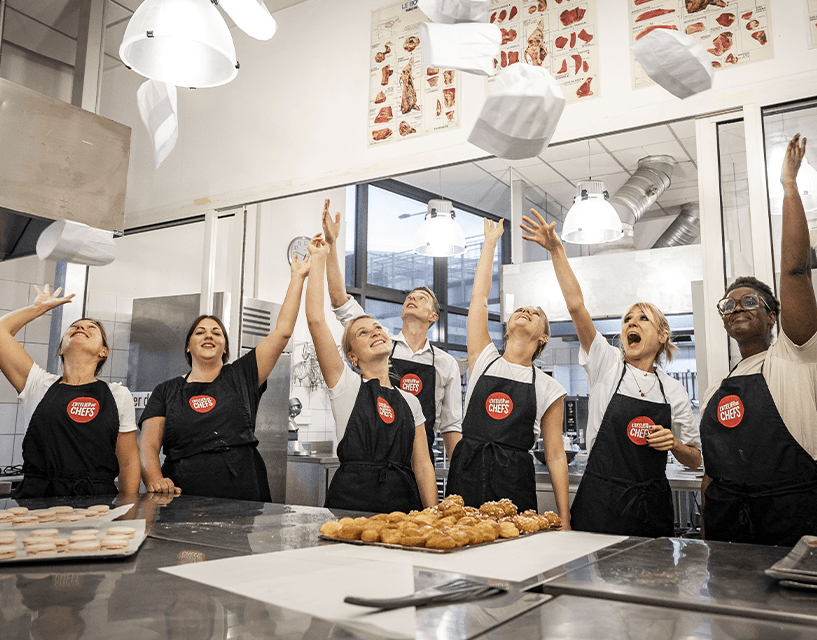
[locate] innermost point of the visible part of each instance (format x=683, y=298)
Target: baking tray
x=131, y=549
x=800, y=564
x=400, y=547
x=79, y=524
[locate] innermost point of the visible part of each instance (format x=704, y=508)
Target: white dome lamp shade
x=591, y=219
x=70, y=241
x=439, y=236
x=183, y=42
x=252, y=17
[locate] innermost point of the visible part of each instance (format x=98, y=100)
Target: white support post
x=517, y=211
x=208, y=263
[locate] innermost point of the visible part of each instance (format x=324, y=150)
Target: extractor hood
x=59, y=162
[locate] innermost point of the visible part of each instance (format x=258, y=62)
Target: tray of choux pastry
x=444, y=528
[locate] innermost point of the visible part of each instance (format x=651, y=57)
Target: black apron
x=493, y=460
x=420, y=380
x=70, y=446
x=764, y=484
x=624, y=490
x=225, y=466
x=375, y=455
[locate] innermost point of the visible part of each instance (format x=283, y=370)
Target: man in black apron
x=375, y=455
x=624, y=489
x=427, y=373
x=70, y=446
x=493, y=461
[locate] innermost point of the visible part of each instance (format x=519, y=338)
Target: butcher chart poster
x=733, y=32
x=812, y=23
x=559, y=35
x=407, y=98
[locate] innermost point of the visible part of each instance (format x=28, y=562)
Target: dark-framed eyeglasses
x=748, y=302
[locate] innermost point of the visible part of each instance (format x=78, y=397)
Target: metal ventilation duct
x=638, y=194
x=684, y=229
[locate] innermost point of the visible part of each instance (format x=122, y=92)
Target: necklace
x=640, y=390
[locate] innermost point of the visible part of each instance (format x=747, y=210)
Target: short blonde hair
x=668, y=349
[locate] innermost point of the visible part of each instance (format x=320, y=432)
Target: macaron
x=63, y=508
x=87, y=513
x=8, y=537
x=8, y=551
x=130, y=532
x=18, y=511
x=61, y=544
x=102, y=509
x=44, y=515
x=69, y=517
x=24, y=521
x=83, y=546
x=93, y=533
x=6, y=516
x=41, y=549
x=44, y=533
x=114, y=543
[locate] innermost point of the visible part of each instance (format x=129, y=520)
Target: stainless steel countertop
x=329, y=461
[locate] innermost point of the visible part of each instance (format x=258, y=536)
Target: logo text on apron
x=83, y=410
x=730, y=411
x=202, y=404
x=499, y=405
x=638, y=429
x=412, y=384
x=385, y=411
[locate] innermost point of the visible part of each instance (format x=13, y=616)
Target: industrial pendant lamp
x=182, y=42
x=439, y=235
x=591, y=219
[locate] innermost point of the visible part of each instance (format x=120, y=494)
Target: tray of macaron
x=59, y=516
x=71, y=543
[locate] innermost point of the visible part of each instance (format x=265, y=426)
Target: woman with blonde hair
x=380, y=429
x=509, y=402
x=637, y=413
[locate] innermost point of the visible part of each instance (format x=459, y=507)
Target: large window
x=381, y=266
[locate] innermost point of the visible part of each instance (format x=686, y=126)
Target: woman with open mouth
x=205, y=421
x=382, y=446
x=637, y=413
x=509, y=402
x=759, y=424
x=82, y=431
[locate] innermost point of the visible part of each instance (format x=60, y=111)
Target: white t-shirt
x=39, y=381
x=548, y=390
x=344, y=394
x=604, y=366
x=791, y=373
x=447, y=385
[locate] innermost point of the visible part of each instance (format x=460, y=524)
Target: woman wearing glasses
x=636, y=413
x=759, y=426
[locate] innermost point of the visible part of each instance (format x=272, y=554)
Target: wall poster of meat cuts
x=407, y=98
x=731, y=31
x=559, y=35
x=812, y=23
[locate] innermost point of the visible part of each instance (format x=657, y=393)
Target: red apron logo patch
x=385, y=411
x=499, y=405
x=202, y=404
x=638, y=429
x=730, y=411
x=412, y=384
x=83, y=409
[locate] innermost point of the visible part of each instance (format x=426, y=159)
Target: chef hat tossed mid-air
x=71, y=241
x=157, y=106
x=520, y=113
x=675, y=61
x=467, y=47
x=452, y=11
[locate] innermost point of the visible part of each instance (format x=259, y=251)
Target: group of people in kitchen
x=391, y=394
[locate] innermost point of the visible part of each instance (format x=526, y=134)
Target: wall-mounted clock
x=298, y=245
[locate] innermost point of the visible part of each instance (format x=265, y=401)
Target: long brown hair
x=224, y=356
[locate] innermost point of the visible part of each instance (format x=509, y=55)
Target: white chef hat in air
x=468, y=47
x=157, y=106
x=674, y=60
x=520, y=113
x=451, y=11
x=71, y=241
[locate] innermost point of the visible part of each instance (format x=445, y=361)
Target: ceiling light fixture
x=591, y=219
x=439, y=235
x=183, y=42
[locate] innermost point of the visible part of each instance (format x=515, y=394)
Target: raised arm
x=329, y=359
x=15, y=363
x=334, y=279
x=478, y=335
x=798, y=308
x=268, y=352
x=544, y=234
